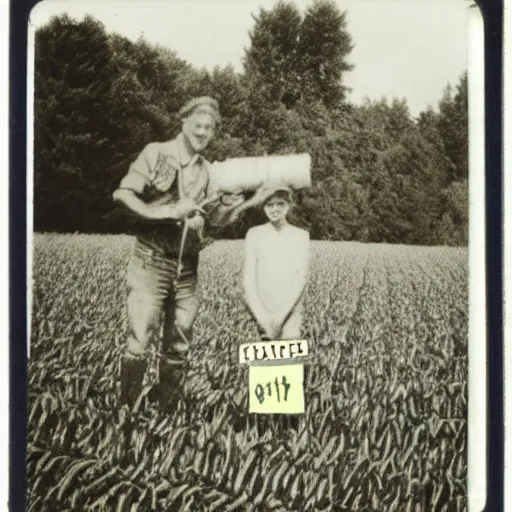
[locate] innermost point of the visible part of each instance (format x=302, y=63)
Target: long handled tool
x=183, y=241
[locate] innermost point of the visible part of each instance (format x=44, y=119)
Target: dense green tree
x=453, y=127
x=452, y=227
x=271, y=62
x=428, y=124
x=323, y=46
x=298, y=59
x=405, y=196
x=225, y=85
x=447, y=132
x=73, y=136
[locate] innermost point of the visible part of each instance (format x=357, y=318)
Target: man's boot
x=170, y=386
x=173, y=364
x=133, y=369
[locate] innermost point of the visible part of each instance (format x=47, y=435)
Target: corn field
x=385, y=389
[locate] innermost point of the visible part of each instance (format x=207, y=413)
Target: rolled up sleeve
x=139, y=173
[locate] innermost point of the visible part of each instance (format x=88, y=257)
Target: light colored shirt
x=156, y=169
x=282, y=257
x=163, y=173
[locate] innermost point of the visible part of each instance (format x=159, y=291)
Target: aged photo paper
x=256, y=256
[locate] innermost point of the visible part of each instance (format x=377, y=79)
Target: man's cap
x=279, y=190
x=203, y=103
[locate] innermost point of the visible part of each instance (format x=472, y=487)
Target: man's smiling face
x=198, y=129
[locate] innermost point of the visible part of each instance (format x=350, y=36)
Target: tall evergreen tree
x=296, y=59
x=323, y=47
x=271, y=62
x=453, y=127
x=225, y=85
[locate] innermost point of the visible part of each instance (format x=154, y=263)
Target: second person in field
x=276, y=269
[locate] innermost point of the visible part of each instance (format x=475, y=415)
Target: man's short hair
x=203, y=104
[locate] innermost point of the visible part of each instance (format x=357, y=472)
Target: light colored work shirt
x=163, y=173
x=155, y=171
x=282, y=257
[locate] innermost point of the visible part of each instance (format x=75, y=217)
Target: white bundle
x=237, y=175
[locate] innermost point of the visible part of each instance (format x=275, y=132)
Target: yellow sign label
x=276, y=389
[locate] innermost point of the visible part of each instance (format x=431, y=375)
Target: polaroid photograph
x=255, y=256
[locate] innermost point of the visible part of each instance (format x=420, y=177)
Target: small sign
x=276, y=389
x=272, y=350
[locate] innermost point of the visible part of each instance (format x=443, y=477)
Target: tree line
x=379, y=175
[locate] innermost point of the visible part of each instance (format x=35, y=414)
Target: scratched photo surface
x=376, y=94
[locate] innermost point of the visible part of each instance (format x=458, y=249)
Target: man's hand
x=196, y=223
x=241, y=205
x=185, y=207
x=258, y=197
x=232, y=200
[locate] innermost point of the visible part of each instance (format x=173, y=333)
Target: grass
x=386, y=389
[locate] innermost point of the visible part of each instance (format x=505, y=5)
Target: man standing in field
x=165, y=187
x=275, y=271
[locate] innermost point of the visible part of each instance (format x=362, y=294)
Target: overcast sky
x=403, y=48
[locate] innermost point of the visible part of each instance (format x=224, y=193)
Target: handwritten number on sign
x=271, y=389
x=260, y=390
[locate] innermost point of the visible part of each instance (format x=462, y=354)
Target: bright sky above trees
x=406, y=49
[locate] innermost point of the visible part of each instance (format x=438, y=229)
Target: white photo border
x=477, y=344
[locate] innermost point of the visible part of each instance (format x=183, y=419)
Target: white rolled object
x=238, y=175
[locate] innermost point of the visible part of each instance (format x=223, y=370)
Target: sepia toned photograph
x=248, y=259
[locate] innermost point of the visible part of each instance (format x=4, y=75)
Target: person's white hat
x=270, y=192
